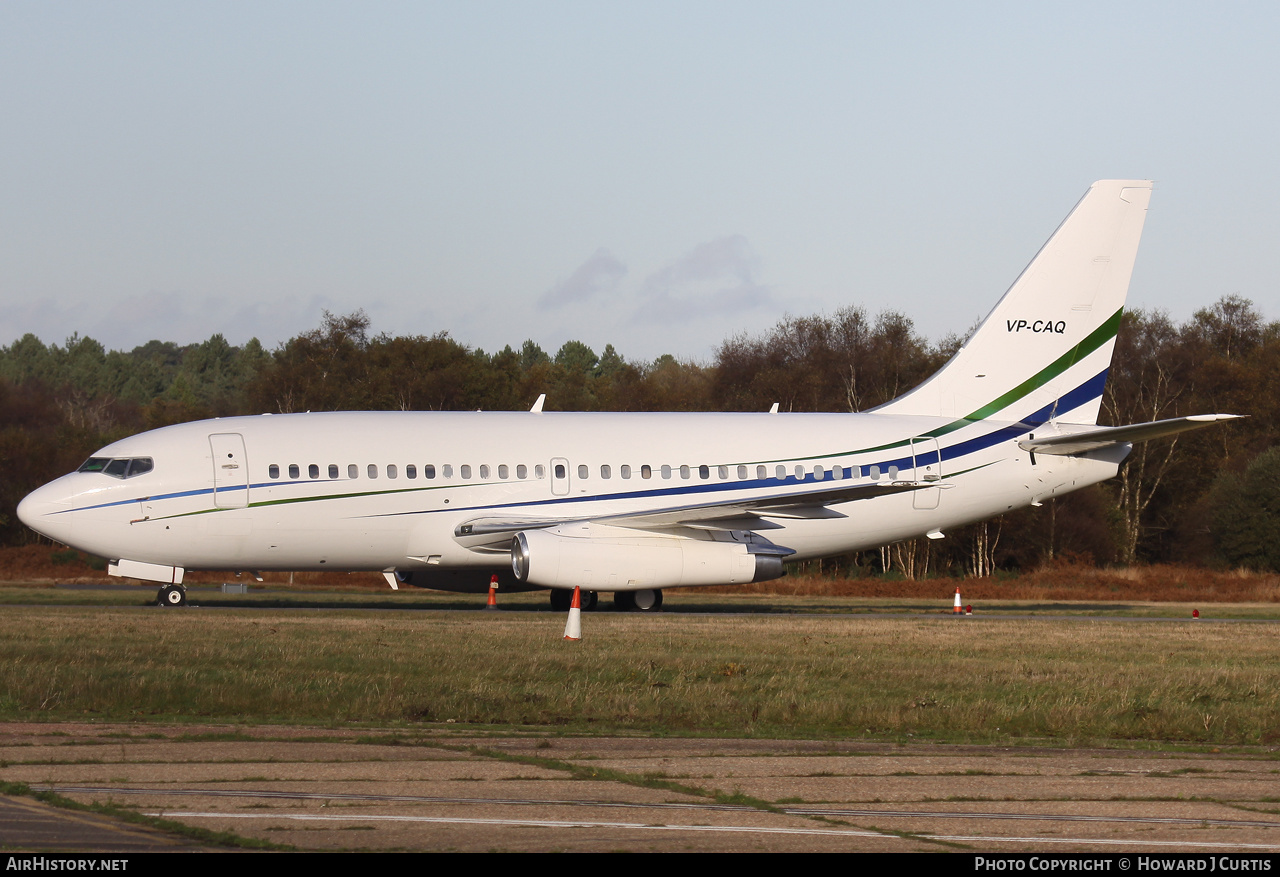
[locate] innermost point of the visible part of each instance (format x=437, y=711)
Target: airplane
x=635, y=503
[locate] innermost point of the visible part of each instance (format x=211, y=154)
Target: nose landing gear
x=172, y=595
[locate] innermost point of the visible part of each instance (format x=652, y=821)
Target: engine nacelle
x=614, y=559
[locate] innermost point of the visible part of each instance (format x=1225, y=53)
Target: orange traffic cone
x=957, y=610
x=493, y=593
x=573, y=627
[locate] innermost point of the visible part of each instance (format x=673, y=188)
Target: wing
x=1093, y=439
x=493, y=533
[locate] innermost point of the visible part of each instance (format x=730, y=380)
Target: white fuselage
x=333, y=490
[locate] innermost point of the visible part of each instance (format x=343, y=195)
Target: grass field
x=1073, y=680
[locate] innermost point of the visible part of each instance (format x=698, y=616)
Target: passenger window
x=392, y=472
x=781, y=472
x=373, y=470
x=582, y=471
x=666, y=471
x=893, y=472
x=605, y=472
x=560, y=470
x=684, y=471
x=522, y=471
x=484, y=470
x=819, y=473
x=273, y=471
x=837, y=473
x=294, y=471
x=333, y=470
x=447, y=470
x=465, y=470
x=742, y=473
x=503, y=471
x=411, y=471
x=540, y=471
x=761, y=473
x=313, y=471
x=874, y=472
x=646, y=471
x=723, y=473
x=625, y=471
x=799, y=473
x=704, y=472
x=353, y=471
x=428, y=471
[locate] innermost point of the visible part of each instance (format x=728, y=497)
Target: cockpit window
x=120, y=467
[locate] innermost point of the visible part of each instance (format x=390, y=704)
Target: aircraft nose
x=39, y=509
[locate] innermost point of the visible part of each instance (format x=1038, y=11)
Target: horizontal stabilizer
x=1093, y=439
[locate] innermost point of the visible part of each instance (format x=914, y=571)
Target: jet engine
x=617, y=559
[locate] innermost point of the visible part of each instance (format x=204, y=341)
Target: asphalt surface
x=326, y=789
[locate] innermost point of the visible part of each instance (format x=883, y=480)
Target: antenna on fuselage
x=537, y=406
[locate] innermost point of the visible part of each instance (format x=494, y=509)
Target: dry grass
x=1058, y=582
x=956, y=679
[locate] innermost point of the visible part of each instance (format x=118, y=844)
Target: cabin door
x=927, y=461
x=559, y=476
x=230, y=471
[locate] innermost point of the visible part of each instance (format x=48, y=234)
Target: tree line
x=1210, y=497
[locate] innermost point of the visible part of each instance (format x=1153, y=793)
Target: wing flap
x=482, y=533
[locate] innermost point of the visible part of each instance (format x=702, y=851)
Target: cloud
x=716, y=277
x=600, y=273
x=39, y=316
x=168, y=316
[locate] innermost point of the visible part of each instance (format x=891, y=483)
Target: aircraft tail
x=1044, y=350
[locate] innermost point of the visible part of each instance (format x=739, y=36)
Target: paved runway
x=325, y=789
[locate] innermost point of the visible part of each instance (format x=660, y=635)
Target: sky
x=660, y=176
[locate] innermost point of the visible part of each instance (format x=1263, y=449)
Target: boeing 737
x=634, y=503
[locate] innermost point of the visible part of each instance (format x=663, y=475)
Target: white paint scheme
x=974, y=441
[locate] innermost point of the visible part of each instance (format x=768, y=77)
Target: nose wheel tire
x=172, y=595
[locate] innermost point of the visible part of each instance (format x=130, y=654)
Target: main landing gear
x=172, y=595
x=647, y=600
x=560, y=599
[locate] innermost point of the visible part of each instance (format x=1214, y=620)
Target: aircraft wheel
x=648, y=600
x=172, y=595
x=624, y=601
x=561, y=598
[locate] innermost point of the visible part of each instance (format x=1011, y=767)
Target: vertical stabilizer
x=1044, y=350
